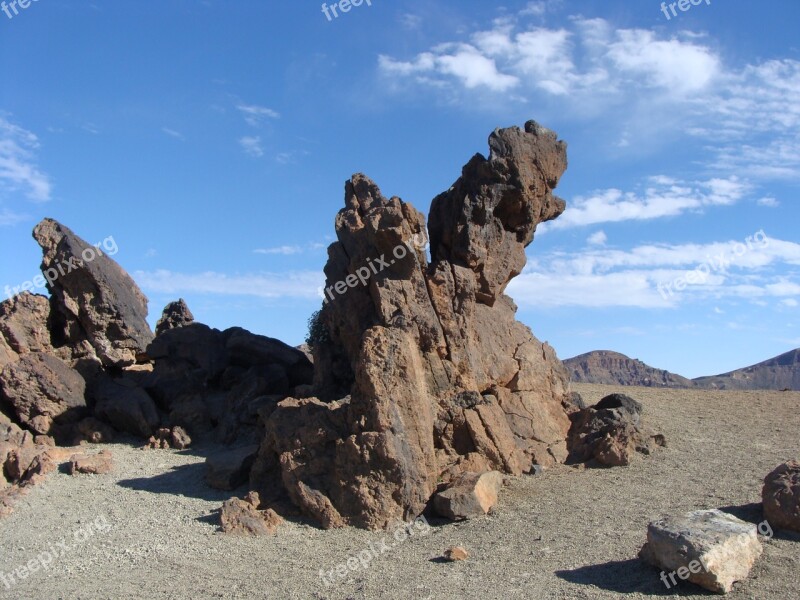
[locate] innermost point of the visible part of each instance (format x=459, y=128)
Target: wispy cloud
x=19, y=173
x=252, y=145
x=290, y=250
x=172, y=133
x=255, y=115
x=662, y=197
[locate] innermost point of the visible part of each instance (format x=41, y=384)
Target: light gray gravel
x=566, y=534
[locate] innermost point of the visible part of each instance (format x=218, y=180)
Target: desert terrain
x=568, y=533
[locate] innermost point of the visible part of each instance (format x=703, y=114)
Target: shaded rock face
x=24, y=327
x=95, y=297
x=432, y=374
x=781, y=496
x=610, y=433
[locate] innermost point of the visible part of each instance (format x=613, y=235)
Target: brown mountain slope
x=777, y=373
x=612, y=368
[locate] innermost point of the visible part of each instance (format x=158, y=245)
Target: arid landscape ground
x=567, y=533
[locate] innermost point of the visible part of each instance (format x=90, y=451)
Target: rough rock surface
x=175, y=314
x=127, y=407
x=712, y=549
x=24, y=327
x=468, y=496
x=43, y=391
x=455, y=553
x=612, y=368
x=243, y=517
x=229, y=469
x=432, y=374
x=95, y=464
x=94, y=295
x=781, y=496
x=610, y=433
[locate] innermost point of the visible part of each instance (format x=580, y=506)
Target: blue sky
x=212, y=140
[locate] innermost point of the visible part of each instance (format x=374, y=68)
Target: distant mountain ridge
x=613, y=368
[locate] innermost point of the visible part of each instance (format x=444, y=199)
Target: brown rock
x=243, y=517
x=23, y=327
x=127, y=407
x=43, y=390
x=455, y=553
x=179, y=439
x=781, y=496
x=229, y=469
x=96, y=464
x=610, y=433
x=93, y=295
x=95, y=431
x=439, y=373
x=470, y=495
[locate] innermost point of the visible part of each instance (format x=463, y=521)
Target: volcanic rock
x=43, y=390
x=440, y=376
x=708, y=547
x=471, y=495
x=95, y=464
x=23, y=327
x=127, y=407
x=781, y=496
x=610, y=433
x=94, y=295
x=243, y=517
x=229, y=469
x=175, y=314
x=455, y=553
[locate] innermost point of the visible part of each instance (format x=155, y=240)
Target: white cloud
x=285, y=250
x=252, y=146
x=790, y=302
x=255, y=115
x=733, y=269
x=9, y=218
x=768, y=201
x=302, y=284
x=664, y=197
x=598, y=238
x=18, y=170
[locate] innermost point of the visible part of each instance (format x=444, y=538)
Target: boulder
x=176, y=314
x=610, y=433
x=93, y=295
x=470, y=495
x=95, y=431
x=229, y=469
x=243, y=517
x=708, y=547
x=440, y=376
x=43, y=391
x=127, y=407
x=95, y=464
x=781, y=496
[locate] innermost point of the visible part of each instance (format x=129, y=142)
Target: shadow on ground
x=628, y=577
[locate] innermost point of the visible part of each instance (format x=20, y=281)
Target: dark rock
x=781, y=496
x=176, y=314
x=94, y=294
x=127, y=407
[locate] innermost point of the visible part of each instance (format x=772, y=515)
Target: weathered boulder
x=94, y=464
x=455, y=553
x=95, y=431
x=470, y=495
x=441, y=378
x=610, y=433
x=176, y=314
x=708, y=547
x=243, y=517
x=43, y=391
x=93, y=295
x=781, y=496
x=229, y=469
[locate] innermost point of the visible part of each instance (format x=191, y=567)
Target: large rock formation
x=778, y=373
x=422, y=371
x=95, y=297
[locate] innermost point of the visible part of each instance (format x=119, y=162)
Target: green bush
x=317, y=332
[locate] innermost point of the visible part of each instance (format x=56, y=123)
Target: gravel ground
x=149, y=529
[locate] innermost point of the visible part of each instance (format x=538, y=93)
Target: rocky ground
x=149, y=529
